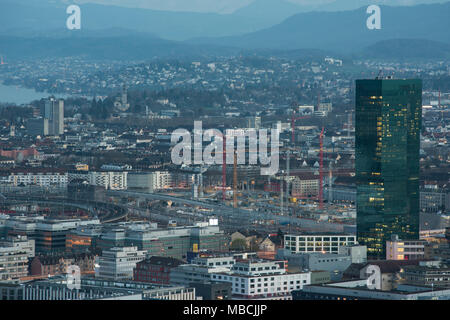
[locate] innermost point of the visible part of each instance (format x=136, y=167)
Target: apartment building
x=110, y=180
x=37, y=177
x=14, y=255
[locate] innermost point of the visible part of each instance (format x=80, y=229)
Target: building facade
x=388, y=124
x=358, y=290
x=150, y=181
x=262, y=280
x=56, y=288
x=14, y=255
x=43, y=178
x=434, y=200
x=427, y=276
x=317, y=243
x=305, y=186
x=54, y=113
x=155, y=269
x=398, y=249
x=118, y=263
x=175, y=242
x=111, y=180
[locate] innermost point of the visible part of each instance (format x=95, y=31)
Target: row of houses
x=111, y=180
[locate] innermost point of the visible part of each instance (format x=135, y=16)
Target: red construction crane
x=293, y=119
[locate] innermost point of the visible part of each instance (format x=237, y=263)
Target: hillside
x=346, y=31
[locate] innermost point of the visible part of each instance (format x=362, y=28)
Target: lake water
x=18, y=95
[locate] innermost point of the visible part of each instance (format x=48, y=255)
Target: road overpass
x=242, y=217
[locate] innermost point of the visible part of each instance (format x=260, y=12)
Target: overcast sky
x=222, y=6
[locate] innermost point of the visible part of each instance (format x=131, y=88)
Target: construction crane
x=330, y=182
x=235, y=180
x=224, y=172
x=288, y=154
x=321, y=171
x=224, y=168
x=288, y=174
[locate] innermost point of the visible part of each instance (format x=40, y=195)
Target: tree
x=254, y=244
x=238, y=244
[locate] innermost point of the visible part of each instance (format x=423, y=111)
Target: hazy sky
x=222, y=6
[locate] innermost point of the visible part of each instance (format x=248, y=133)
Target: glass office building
x=388, y=125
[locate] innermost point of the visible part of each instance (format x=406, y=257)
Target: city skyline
x=224, y=159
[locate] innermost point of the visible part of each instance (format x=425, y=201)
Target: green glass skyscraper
x=388, y=125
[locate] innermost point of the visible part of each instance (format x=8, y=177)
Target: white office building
x=250, y=279
x=327, y=243
x=398, y=249
x=262, y=280
x=118, y=263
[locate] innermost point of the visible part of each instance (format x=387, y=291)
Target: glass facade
x=388, y=125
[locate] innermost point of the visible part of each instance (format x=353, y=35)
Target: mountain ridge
x=345, y=31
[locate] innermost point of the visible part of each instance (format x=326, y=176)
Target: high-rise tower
x=388, y=124
x=54, y=113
